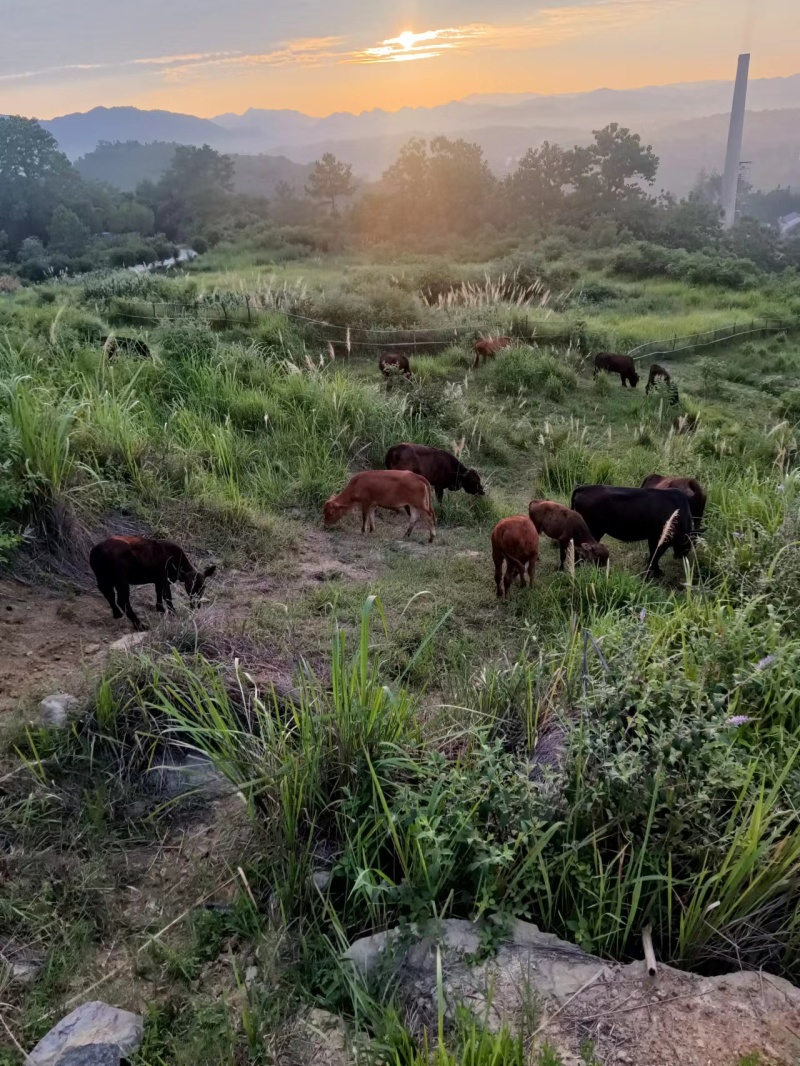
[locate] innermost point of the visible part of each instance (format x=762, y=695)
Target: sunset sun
x=407, y=39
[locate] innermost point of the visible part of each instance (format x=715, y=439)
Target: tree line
x=53, y=219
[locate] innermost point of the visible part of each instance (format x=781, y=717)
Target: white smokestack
x=730, y=180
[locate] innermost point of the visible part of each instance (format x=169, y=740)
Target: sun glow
x=407, y=39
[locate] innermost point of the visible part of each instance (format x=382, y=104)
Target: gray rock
x=129, y=642
x=321, y=1040
x=194, y=774
x=54, y=710
x=95, y=1034
x=320, y=879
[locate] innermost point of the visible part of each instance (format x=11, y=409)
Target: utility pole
x=730, y=180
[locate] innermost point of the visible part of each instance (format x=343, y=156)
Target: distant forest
x=126, y=164
x=125, y=204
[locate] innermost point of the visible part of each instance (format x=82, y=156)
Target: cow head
x=471, y=483
x=195, y=583
x=595, y=553
x=332, y=512
x=634, y=379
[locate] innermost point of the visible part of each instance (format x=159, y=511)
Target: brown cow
x=563, y=526
x=392, y=489
x=392, y=363
x=689, y=486
x=112, y=345
x=617, y=364
x=437, y=466
x=515, y=542
x=656, y=372
x=120, y=562
x=488, y=347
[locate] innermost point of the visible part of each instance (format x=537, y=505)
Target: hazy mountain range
x=686, y=123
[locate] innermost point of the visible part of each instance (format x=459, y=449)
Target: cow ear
x=586, y=547
x=209, y=571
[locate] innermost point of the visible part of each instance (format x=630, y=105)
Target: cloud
x=546, y=28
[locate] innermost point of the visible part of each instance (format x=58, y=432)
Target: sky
x=208, y=57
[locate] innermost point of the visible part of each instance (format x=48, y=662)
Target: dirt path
x=56, y=639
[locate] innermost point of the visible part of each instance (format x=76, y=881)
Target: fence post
x=155, y=315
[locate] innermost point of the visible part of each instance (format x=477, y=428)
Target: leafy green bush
x=520, y=368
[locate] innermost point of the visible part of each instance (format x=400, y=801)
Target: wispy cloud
x=427, y=45
x=548, y=27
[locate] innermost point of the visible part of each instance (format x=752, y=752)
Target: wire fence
x=756, y=327
x=345, y=339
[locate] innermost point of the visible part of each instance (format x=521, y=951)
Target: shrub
x=524, y=368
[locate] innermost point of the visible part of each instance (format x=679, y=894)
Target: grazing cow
x=564, y=526
x=656, y=372
x=690, y=486
x=617, y=364
x=112, y=345
x=392, y=363
x=488, y=347
x=393, y=489
x=439, y=467
x=661, y=517
x=120, y=562
x=515, y=542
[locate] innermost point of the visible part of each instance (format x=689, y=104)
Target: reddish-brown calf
x=488, y=347
x=515, y=543
x=391, y=489
x=562, y=525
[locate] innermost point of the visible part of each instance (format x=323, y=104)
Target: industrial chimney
x=730, y=180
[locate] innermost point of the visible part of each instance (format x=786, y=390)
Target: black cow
x=393, y=363
x=617, y=364
x=112, y=345
x=662, y=517
x=441, y=468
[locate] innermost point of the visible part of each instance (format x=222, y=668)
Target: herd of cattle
x=664, y=511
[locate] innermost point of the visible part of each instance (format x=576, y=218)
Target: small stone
x=94, y=1034
x=250, y=974
x=54, y=710
x=92, y=649
x=320, y=879
x=127, y=643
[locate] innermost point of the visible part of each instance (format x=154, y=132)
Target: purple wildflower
x=738, y=719
x=768, y=660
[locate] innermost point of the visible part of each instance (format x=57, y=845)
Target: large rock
x=675, y=1017
x=320, y=1039
x=192, y=774
x=54, y=710
x=95, y=1034
x=129, y=642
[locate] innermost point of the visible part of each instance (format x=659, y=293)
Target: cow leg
x=415, y=516
x=124, y=600
x=364, y=518
x=511, y=572
x=160, y=596
x=430, y=518
x=656, y=551
x=167, y=591
x=497, y=556
x=563, y=554
x=622, y=380
x=107, y=589
x=439, y=495
x=534, y=559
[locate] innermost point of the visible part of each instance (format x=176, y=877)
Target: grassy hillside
x=383, y=719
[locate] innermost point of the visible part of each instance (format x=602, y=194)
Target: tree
x=194, y=192
x=616, y=164
x=537, y=187
x=67, y=233
x=330, y=180
x=35, y=177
